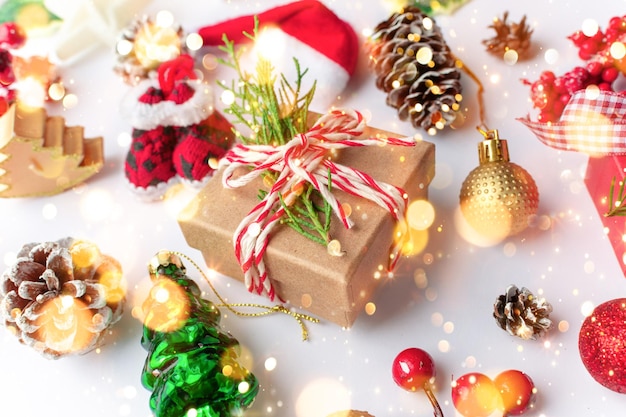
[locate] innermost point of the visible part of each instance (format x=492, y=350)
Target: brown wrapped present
x=302, y=272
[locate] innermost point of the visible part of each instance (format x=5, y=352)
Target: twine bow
x=304, y=159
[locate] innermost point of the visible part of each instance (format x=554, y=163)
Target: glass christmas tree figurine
x=434, y=7
x=192, y=366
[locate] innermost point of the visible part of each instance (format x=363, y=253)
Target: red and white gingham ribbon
x=304, y=159
x=592, y=122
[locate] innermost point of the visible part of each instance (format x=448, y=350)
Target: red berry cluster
x=550, y=93
x=589, y=47
x=11, y=37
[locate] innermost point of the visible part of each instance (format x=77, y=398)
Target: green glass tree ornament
x=437, y=7
x=192, y=366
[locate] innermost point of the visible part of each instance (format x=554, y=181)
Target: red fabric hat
x=306, y=30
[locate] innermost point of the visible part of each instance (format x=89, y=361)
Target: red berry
x=7, y=77
x=475, y=395
x=559, y=85
x=595, y=68
x=11, y=35
x=545, y=117
x=590, y=47
x=412, y=369
x=605, y=87
x=617, y=23
x=547, y=77
x=517, y=390
x=578, y=37
x=609, y=74
x=4, y=105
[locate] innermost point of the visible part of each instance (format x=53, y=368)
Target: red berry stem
x=433, y=400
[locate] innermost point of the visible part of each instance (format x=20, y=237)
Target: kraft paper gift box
x=600, y=172
x=302, y=271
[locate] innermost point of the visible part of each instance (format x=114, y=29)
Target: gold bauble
x=498, y=197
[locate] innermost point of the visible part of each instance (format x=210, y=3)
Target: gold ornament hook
x=492, y=149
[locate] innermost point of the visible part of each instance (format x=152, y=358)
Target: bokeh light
x=551, y=56
x=420, y=214
x=194, y=41
x=590, y=27
x=511, y=57
x=168, y=306
x=334, y=394
x=96, y=205
x=65, y=324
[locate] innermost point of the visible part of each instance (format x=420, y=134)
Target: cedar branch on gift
x=273, y=117
x=294, y=162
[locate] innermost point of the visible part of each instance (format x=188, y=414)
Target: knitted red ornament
x=176, y=130
x=305, y=30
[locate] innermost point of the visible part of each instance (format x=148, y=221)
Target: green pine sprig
x=615, y=204
x=273, y=111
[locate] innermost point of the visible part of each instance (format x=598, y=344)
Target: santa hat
x=175, y=98
x=305, y=30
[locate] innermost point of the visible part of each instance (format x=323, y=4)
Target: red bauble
x=602, y=344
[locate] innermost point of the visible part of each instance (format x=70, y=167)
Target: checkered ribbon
x=590, y=123
x=305, y=159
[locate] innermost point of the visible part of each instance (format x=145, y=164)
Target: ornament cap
x=492, y=149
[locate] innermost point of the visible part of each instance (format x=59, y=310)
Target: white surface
x=571, y=263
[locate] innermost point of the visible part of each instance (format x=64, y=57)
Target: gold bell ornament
x=498, y=197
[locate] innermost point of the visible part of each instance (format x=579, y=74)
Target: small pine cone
x=134, y=63
x=513, y=36
x=522, y=314
x=415, y=67
x=59, y=297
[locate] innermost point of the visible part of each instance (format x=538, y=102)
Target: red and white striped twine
x=304, y=159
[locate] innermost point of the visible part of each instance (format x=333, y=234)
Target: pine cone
x=514, y=36
x=415, y=67
x=521, y=314
x=59, y=297
x=136, y=64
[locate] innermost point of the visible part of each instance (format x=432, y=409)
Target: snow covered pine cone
x=522, y=314
x=415, y=67
x=59, y=297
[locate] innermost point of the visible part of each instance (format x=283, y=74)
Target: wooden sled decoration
x=40, y=155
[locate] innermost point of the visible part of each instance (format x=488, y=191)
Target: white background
x=570, y=263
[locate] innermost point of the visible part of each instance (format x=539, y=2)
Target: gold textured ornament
x=498, y=197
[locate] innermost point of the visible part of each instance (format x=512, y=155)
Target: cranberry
x=11, y=35
x=7, y=77
x=517, y=390
x=414, y=369
x=475, y=395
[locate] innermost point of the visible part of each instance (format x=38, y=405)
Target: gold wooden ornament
x=40, y=155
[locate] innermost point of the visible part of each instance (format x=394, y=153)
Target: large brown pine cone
x=415, y=67
x=59, y=297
